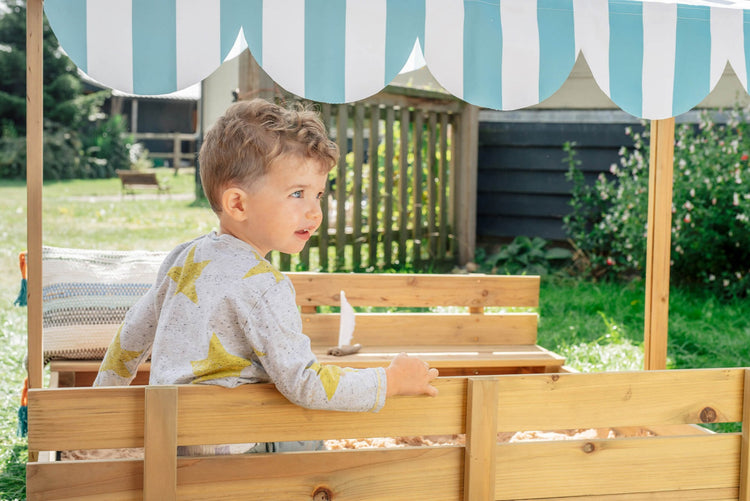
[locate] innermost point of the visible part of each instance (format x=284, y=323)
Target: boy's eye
x=297, y=194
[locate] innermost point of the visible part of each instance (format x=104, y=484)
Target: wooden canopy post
x=658, y=246
x=466, y=184
x=34, y=162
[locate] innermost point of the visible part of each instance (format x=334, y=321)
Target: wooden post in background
x=659, y=244
x=465, y=227
x=34, y=134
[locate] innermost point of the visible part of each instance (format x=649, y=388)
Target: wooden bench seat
x=133, y=180
x=676, y=462
x=476, y=340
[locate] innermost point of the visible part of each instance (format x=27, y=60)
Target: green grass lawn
x=597, y=326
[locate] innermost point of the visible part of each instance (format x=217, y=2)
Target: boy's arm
x=285, y=354
x=130, y=346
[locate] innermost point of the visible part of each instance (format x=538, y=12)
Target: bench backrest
x=137, y=178
x=679, y=463
x=471, y=293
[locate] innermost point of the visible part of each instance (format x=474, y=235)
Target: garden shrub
x=710, y=207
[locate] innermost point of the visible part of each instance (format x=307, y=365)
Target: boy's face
x=282, y=209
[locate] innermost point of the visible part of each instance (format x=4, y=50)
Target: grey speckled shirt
x=220, y=314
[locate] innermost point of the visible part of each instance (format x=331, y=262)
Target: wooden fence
x=392, y=202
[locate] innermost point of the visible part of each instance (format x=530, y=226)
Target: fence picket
x=374, y=188
x=442, y=181
x=341, y=138
x=403, y=185
x=388, y=189
x=358, y=145
x=417, y=189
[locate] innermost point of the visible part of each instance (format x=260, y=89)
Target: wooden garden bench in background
x=133, y=180
x=678, y=461
x=468, y=342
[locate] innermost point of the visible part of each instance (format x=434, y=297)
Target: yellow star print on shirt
x=219, y=363
x=329, y=376
x=116, y=357
x=264, y=267
x=186, y=275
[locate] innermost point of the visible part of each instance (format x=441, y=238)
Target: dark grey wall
x=522, y=188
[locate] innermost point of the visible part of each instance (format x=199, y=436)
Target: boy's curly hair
x=245, y=141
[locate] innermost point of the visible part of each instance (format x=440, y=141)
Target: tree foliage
x=73, y=122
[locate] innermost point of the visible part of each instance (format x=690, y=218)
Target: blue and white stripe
x=653, y=58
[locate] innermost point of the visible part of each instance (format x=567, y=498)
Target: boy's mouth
x=305, y=234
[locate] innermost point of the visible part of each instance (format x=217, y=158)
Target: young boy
x=219, y=312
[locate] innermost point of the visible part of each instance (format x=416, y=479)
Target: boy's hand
x=410, y=376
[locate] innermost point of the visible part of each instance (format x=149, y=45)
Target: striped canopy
x=654, y=58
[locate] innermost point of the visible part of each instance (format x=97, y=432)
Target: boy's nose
x=315, y=212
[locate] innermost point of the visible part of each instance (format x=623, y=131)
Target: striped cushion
x=85, y=295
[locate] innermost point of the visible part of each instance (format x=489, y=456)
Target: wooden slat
x=728, y=494
x=431, y=186
x=405, y=474
x=481, y=435
x=744, y=494
x=358, y=146
x=658, y=245
x=520, y=357
x=118, y=480
x=341, y=139
x=443, y=178
x=388, y=191
x=160, y=444
x=261, y=414
x=626, y=466
x=455, y=126
x=85, y=418
x=417, y=189
x=620, y=399
x=374, y=188
x=419, y=290
x=387, y=329
x=34, y=176
x=324, y=225
x=403, y=180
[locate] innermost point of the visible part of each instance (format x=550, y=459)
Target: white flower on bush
x=725, y=283
x=735, y=199
x=711, y=278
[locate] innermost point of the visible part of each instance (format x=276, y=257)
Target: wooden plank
x=455, y=127
x=261, y=414
x=443, y=178
x=431, y=186
x=744, y=494
x=417, y=189
x=395, y=474
x=119, y=480
x=636, y=466
x=388, y=190
x=34, y=175
x=455, y=360
x=620, y=399
x=85, y=418
x=406, y=289
x=481, y=436
x=359, y=157
x=324, y=225
x=466, y=185
x=403, y=179
x=160, y=444
x=342, y=122
x=384, y=329
x=728, y=494
x=374, y=186
x=658, y=246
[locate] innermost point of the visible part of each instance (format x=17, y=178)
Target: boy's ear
x=234, y=203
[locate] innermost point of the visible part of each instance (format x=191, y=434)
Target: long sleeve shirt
x=221, y=314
